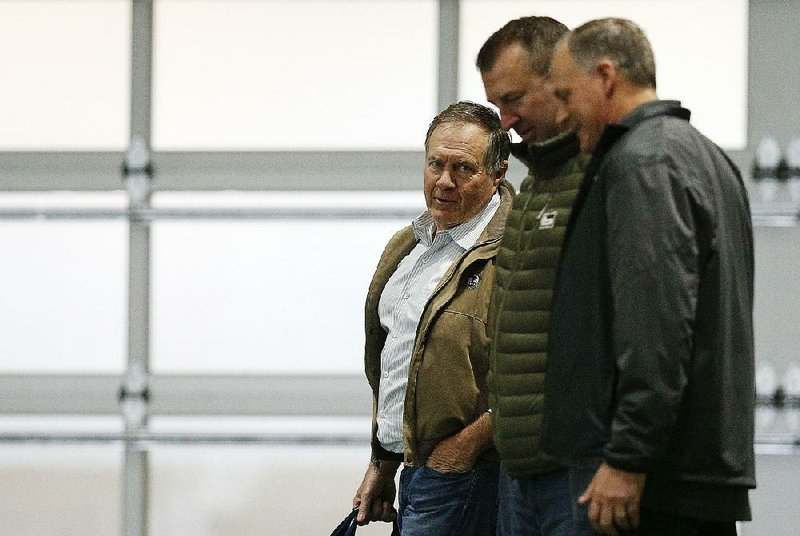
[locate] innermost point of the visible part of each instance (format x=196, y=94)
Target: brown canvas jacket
x=447, y=377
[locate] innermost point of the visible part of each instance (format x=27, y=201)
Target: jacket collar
x=543, y=156
x=654, y=109
x=494, y=230
x=641, y=113
x=464, y=234
x=609, y=137
x=404, y=241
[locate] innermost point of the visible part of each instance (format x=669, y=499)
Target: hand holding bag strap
x=348, y=526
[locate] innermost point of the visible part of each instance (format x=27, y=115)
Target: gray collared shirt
x=402, y=302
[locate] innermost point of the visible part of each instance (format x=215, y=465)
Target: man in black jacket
x=650, y=371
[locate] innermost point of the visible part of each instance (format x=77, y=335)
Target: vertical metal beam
x=138, y=176
x=449, y=14
x=141, y=68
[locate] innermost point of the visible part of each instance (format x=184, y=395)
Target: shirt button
x=385, y=374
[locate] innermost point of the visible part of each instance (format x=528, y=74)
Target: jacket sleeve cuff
x=628, y=464
x=380, y=453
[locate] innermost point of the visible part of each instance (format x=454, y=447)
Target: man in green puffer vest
x=535, y=493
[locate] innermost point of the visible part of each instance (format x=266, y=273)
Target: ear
x=501, y=173
x=607, y=72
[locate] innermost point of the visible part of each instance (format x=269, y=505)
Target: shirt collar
x=465, y=234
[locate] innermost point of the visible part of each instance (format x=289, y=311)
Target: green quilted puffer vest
x=519, y=318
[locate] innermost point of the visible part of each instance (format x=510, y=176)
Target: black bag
x=348, y=526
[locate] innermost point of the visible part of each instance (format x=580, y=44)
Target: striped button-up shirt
x=401, y=305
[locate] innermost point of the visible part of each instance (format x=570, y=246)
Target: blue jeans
x=544, y=505
x=439, y=504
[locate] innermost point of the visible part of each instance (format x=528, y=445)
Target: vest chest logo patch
x=473, y=281
x=548, y=219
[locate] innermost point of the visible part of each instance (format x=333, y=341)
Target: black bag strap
x=348, y=526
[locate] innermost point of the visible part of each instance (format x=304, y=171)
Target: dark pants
x=663, y=524
x=544, y=505
x=441, y=504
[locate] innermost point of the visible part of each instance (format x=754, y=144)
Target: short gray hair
x=499, y=145
x=618, y=40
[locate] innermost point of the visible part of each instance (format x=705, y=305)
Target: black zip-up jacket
x=651, y=343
